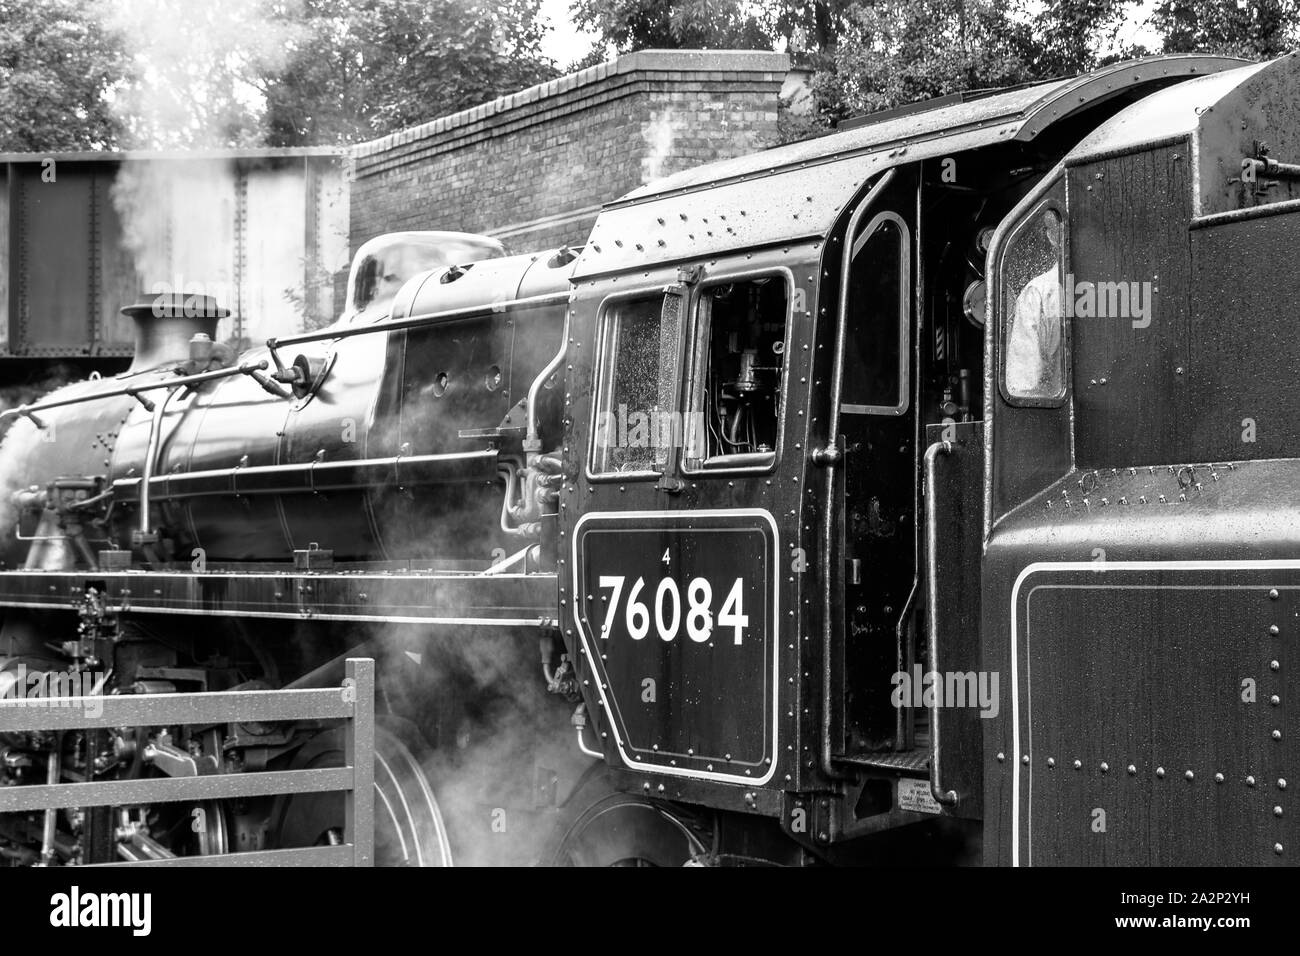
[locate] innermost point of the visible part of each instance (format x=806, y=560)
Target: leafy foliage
x=693, y=24
x=78, y=74
x=900, y=52
x=58, y=69
x=1255, y=29
x=193, y=79
x=361, y=68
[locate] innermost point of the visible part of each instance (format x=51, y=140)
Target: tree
x=58, y=71
x=1069, y=35
x=357, y=69
x=893, y=52
x=1254, y=29
x=901, y=51
x=690, y=24
x=196, y=69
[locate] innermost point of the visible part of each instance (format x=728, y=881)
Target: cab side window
x=877, y=313
x=1034, y=332
x=637, y=394
x=735, y=413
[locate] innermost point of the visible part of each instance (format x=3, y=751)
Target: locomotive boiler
x=916, y=493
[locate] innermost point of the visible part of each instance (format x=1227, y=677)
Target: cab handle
x=947, y=798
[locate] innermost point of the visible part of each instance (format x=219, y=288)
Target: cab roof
x=663, y=222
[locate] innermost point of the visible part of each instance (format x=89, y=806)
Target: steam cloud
x=659, y=135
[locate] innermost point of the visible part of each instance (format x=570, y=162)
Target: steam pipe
x=532, y=443
x=582, y=745
x=150, y=463
x=580, y=724
x=511, y=474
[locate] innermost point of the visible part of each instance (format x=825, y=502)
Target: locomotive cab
x=774, y=534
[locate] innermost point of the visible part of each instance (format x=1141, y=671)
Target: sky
x=565, y=43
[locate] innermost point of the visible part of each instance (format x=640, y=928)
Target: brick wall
x=534, y=167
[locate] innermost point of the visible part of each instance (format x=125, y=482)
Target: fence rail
x=353, y=702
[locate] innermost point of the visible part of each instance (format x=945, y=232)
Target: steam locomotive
x=921, y=492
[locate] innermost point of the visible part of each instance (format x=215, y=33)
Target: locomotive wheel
x=619, y=829
x=409, y=830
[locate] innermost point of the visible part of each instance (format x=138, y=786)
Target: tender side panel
x=1153, y=704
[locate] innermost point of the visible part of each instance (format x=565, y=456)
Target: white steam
x=659, y=135
x=197, y=68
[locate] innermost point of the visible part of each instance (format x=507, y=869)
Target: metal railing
x=353, y=702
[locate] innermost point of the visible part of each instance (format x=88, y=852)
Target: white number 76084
x=668, y=609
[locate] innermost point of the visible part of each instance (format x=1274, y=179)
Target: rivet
x=1277, y=848
x=1274, y=665
x=1281, y=783
x=1250, y=781
x=1277, y=811
x=1104, y=766
x=1160, y=772
x=1275, y=700
x=1272, y=594
x=1132, y=769
x=1078, y=765
x=1051, y=761
x=1218, y=778
x=1274, y=630
x=1001, y=757
x=1189, y=775
x=1277, y=735
x=1025, y=759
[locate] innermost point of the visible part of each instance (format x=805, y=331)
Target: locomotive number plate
x=676, y=613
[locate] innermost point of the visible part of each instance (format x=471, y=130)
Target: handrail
x=255, y=369
x=331, y=333
x=948, y=798
x=133, y=391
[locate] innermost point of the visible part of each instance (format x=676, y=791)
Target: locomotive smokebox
x=166, y=322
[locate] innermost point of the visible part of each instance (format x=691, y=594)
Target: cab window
x=734, y=415
x=1034, y=330
x=637, y=394
x=877, y=312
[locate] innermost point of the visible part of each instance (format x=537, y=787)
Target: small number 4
x=665, y=559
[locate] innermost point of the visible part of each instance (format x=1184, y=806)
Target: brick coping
x=661, y=61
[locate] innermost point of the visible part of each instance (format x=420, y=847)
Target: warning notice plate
x=914, y=795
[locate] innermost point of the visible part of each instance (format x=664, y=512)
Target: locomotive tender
x=919, y=492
